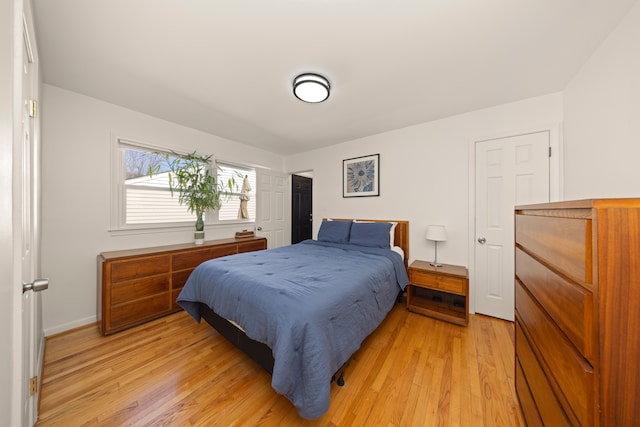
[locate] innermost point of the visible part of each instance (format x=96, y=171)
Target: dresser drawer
x=572, y=373
x=174, y=298
x=179, y=278
x=569, y=305
x=139, y=267
x=535, y=392
x=254, y=245
x=136, y=312
x=444, y=283
x=565, y=243
x=140, y=288
x=527, y=404
x=192, y=259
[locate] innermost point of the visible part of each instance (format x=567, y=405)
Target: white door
x=273, y=199
x=29, y=175
x=10, y=320
x=509, y=171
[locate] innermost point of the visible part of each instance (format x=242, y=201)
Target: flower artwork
x=361, y=176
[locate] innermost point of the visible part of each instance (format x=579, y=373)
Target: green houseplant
x=192, y=177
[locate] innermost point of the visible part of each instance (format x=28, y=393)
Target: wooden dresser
x=135, y=286
x=578, y=312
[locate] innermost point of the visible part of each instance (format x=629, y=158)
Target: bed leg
x=340, y=380
x=338, y=376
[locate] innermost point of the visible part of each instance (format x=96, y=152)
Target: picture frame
x=361, y=176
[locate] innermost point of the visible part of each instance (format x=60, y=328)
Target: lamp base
x=435, y=262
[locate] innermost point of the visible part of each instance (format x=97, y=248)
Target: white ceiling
x=226, y=66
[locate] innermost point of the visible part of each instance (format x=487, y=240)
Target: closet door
x=509, y=171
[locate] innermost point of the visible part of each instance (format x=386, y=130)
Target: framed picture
x=361, y=176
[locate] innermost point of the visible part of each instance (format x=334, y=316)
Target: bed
x=301, y=311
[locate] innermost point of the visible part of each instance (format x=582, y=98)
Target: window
x=241, y=203
x=146, y=202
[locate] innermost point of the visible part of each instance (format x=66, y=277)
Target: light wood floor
x=413, y=370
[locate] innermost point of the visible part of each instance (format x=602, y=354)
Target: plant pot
x=198, y=237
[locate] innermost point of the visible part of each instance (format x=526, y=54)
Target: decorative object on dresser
x=577, y=329
x=436, y=233
x=441, y=292
x=138, y=285
x=244, y=234
x=199, y=189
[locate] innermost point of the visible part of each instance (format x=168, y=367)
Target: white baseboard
x=68, y=326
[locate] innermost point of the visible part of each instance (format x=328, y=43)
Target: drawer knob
x=482, y=240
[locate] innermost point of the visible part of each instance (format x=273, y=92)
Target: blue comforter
x=312, y=303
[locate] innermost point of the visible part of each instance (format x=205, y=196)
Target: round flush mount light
x=310, y=87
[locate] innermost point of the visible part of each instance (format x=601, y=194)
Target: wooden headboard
x=401, y=236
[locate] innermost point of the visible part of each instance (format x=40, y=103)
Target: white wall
x=602, y=118
x=600, y=109
x=424, y=172
x=77, y=135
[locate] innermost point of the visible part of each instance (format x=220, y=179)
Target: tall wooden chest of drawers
x=138, y=285
x=578, y=312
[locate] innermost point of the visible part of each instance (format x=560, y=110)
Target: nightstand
x=440, y=292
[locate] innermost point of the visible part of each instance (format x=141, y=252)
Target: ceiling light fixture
x=310, y=87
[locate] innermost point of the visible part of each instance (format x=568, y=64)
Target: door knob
x=482, y=240
x=36, y=286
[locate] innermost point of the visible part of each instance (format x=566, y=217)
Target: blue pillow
x=373, y=234
x=334, y=231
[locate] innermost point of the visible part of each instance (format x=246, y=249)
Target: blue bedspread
x=312, y=303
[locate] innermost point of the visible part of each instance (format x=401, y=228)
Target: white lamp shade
x=437, y=233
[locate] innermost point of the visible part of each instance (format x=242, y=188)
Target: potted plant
x=198, y=188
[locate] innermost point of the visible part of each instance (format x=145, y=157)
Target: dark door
x=300, y=208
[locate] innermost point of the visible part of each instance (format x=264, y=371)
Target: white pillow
x=399, y=250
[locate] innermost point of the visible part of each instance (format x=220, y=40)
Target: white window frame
x=118, y=192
